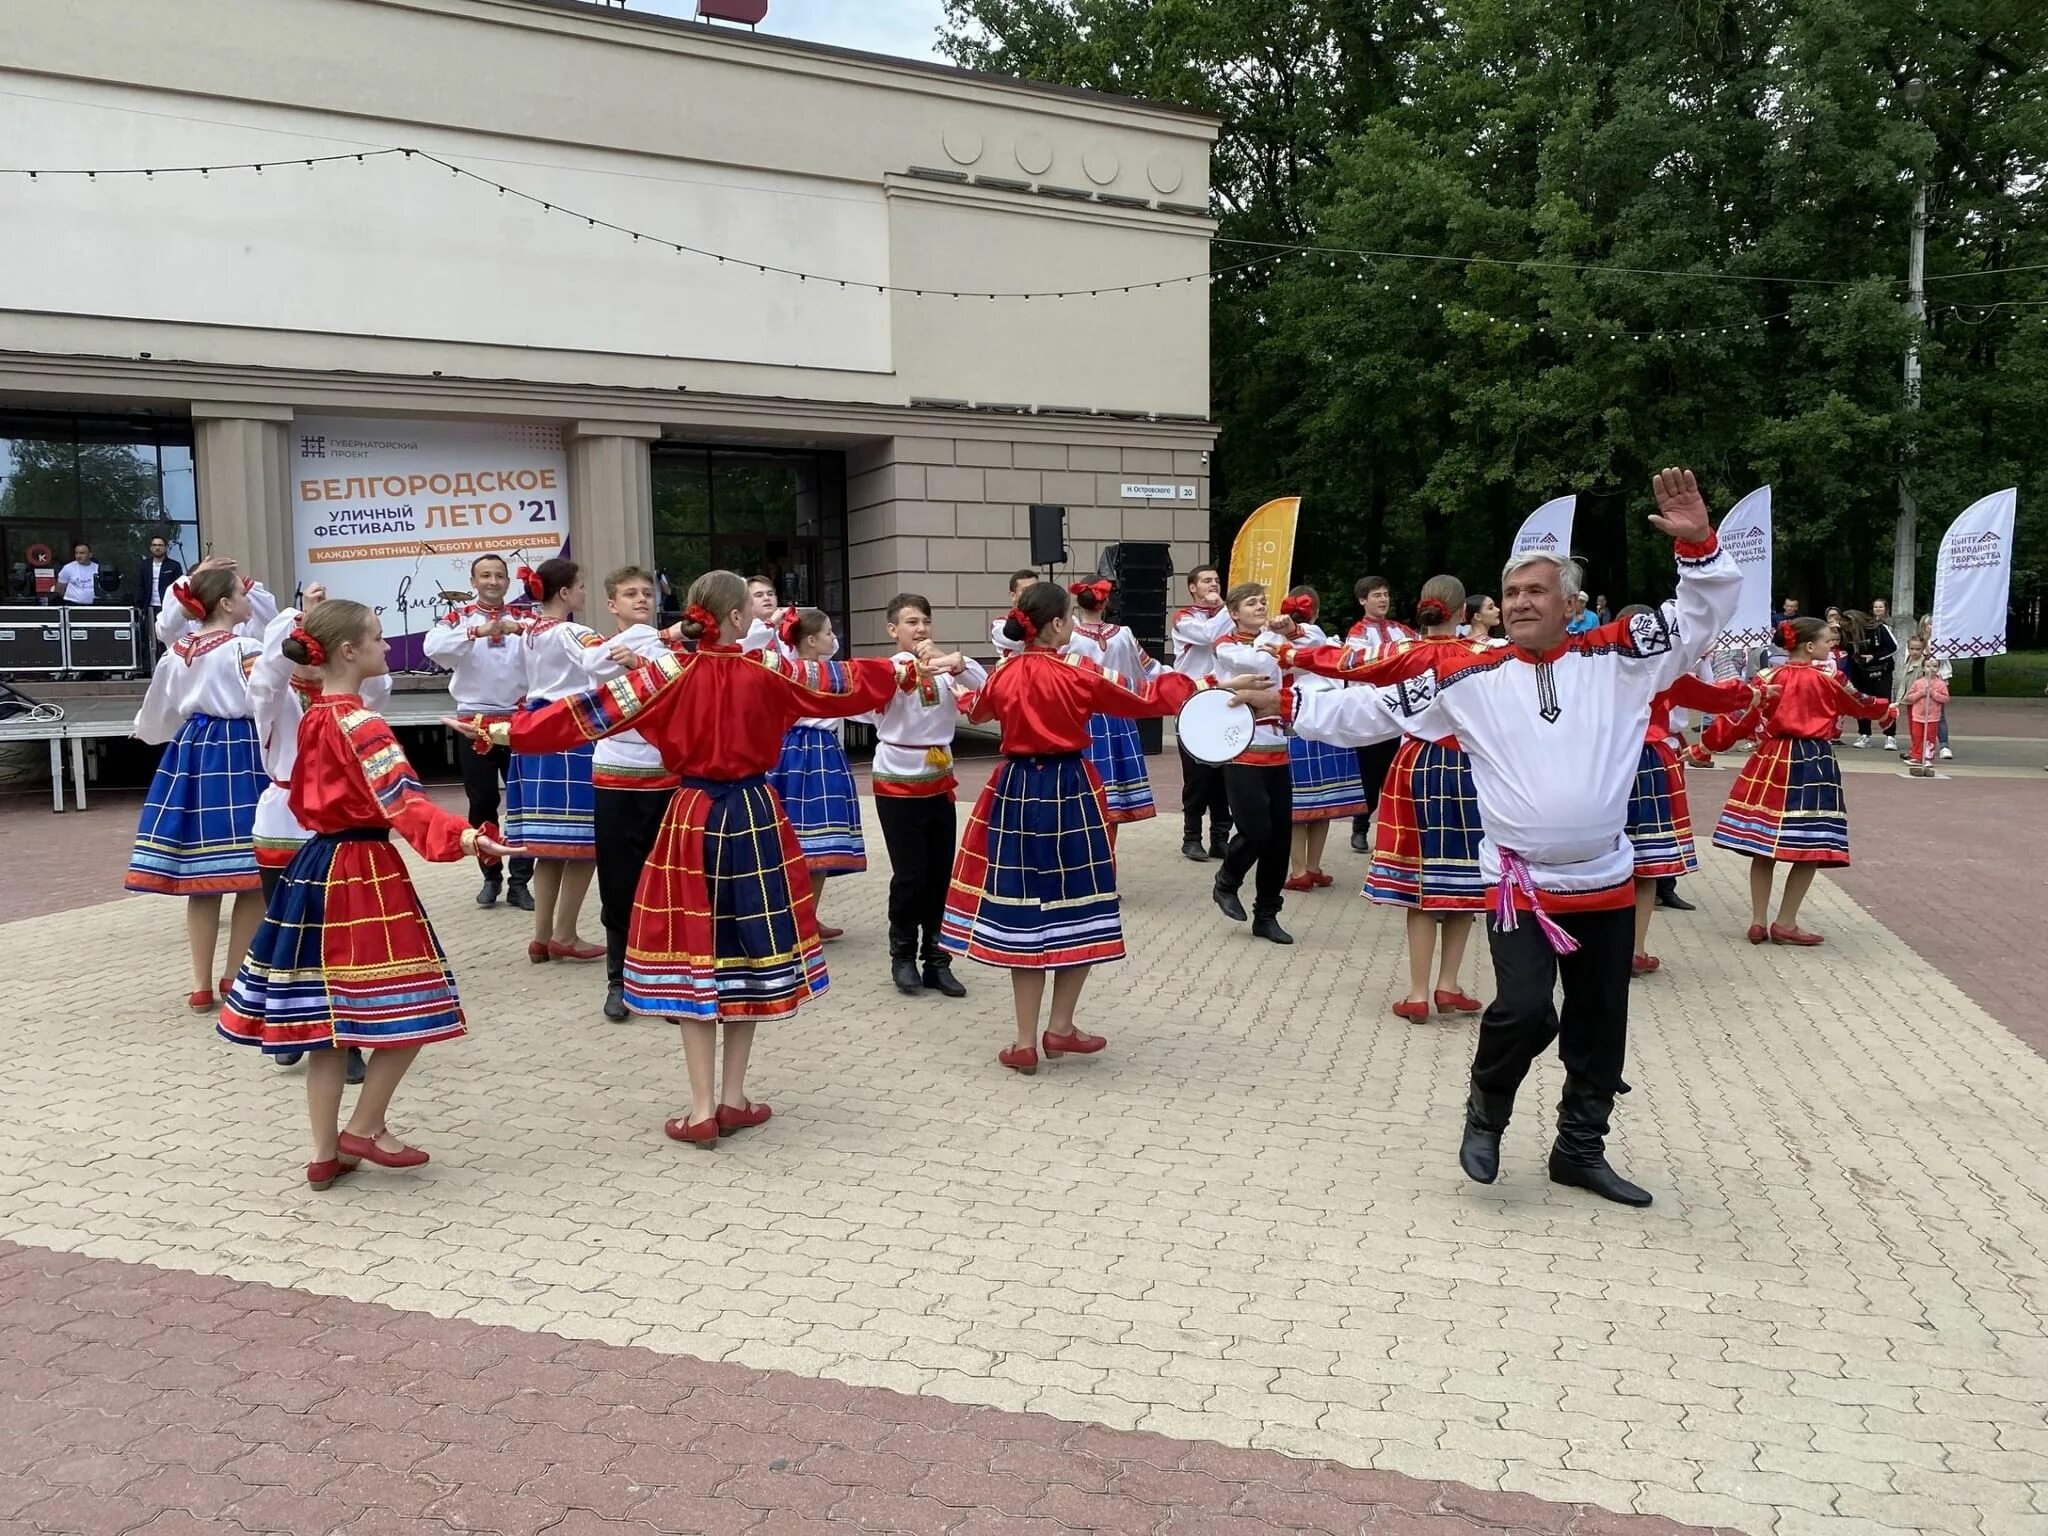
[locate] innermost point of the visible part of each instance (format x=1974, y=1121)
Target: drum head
x=1214, y=727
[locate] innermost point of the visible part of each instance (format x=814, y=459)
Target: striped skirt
x=345, y=956
x=1659, y=819
x=1787, y=805
x=1326, y=783
x=1118, y=759
x=723, y=924
x=197, y=832
x=1034, y=884
x=550, y=807
x=815, y=785
x=1425, y=843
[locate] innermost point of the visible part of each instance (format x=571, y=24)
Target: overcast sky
x=902, y=27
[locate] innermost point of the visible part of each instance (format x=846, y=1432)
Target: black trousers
x=921, y=832
x=269, y=877
x=1262, y=806
x=481, y=772
x=626, y=823
x=1373, y=763
x=1201, y=789
x=1591, y=1030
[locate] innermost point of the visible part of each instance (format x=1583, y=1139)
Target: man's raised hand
x=1681, y=511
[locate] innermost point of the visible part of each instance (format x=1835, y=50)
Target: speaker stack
x=1143, y=573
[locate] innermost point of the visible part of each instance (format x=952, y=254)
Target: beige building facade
x=457, y=270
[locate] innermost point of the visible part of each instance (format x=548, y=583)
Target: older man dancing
x=1554, y=728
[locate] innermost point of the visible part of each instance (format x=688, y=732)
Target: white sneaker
x=1947, y=756
x=1862, y=741
x=1890, y=745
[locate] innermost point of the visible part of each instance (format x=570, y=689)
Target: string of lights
x=1335, y=258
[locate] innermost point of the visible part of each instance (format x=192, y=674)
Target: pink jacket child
x=1926, y=698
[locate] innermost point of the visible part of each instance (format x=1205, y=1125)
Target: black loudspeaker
x=31, y=639
x=1048, y=535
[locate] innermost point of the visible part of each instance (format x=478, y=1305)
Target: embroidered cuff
x=1288, y=696
x=906, y=676
x=1705, y=550
x=469, y=837
x=499, y=733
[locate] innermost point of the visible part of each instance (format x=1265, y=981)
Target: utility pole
x=1904, y=563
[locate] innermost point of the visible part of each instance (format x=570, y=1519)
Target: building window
x=757, y=512
x=112, y=482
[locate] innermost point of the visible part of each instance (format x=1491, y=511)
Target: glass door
x=31, y=554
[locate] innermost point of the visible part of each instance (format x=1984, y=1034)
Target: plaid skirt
x=197, y=833
x=722, y=923
x=550, y=807
x=1326, y=783
x=815, y=785
x=1787, y=805
x=1034, y=884
x=1118, y=759
x=1659, y=819
x=1425, y=843
x=345, y=956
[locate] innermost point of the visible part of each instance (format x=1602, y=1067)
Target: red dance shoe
x=1757, y=935
x=1416, y=1013
x=1642, y=965
x=731, y=1119
x=1019, y=1058
x=537, y=951
x=1799, y=936
x=225, y=983
x=200, y=1001
x=828, y=933
x=1317, y=877
x=701, y=1133
x=579, y=951
x=1298, y=883
x=365, y=1149
x=1457, y=1002
x=1075, y=1044
x=323, y=1175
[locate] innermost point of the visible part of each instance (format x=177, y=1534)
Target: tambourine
x=449, y=595
x=1214, y=727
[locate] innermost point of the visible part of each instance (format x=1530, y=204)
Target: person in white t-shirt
x=79, y=581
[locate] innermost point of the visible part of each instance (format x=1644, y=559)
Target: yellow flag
x=1263, y=550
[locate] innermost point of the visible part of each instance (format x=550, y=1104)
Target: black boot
x=357, y=1069
x=494, y=883
x=615, y=1002
x=517, y=895
x=1361, y=837
x=1269, y=928
x=1191, y=848
x=1226, y=898
x=903, y=971
x=938, y=975
x=1667, y=896
x=1219, y=841
x=1578, y=1157
x=1486, y=1116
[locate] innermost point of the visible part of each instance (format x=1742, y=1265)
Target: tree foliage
x=1744, y=167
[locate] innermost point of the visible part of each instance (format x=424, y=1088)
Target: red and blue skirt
x=550, y=806
x=1425, y=843
x=197, y=832
x=1118, y=758
x=1659, y=818
x=723, y=925
x=815, y=784
x=345, y=956
x=1787, y=805
x=1034, y=884
x=1326, y=782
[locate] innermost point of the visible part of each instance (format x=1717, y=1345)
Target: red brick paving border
x=139, y=1399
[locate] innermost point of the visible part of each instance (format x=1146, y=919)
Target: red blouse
x=717, y=713
x=352, y=773
x=1043, y=699
x=1696, y=693
x=1806, y=700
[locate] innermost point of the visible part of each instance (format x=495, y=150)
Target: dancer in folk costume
x=1326, y=786
x=914, y=785
x=1260, y=787
x=1034, y=887
x=479, y=646
x=1554, y=727
x=1786, y=806
x=630, y=784
x=999, y=628
x=196, y=837
x=1196, y=631
x=551, y=804
x=180, y=614
x=1425, y=846
x=1659, y=816
x=723, y=928
x=1114, y=751
x=345, y=956
x=279, y=689
x=1374, y=635
x=812, y=777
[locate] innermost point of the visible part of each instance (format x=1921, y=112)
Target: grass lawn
x=2017, y=674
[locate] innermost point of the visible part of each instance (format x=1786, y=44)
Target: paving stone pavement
x=1243, y=1224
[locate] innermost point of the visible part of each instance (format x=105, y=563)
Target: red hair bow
x=1099, y=589
x=1023, y=622
x=1432, y=611
x=1300, y=606
x=793, y=617
x=704, y=619
x=529, y=581
x=1787, y=635
x=188, y=602
x=316, y=653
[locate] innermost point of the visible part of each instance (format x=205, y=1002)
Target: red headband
x=1788, y=636
x=1099, y=589
x=1299, y=606
x=788, y=627
x=316, y=653
x=188, y=602
x=529, y=579
x=704, y=619
x=1431, y=610
x=1023, y=622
